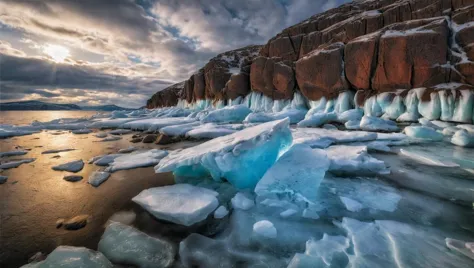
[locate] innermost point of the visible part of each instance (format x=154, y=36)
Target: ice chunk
x=318, y=119
x=449, y=131
x=104, y=160
x=67, y=256
x=220, y=212
x=322, y=138
x=372, y=107
x=101, y=135
x=463, y=138
x=13, y=153
x=120, y=131
x=461, y=247
x=354, y=160
x=431, y=108
x=265, y=229
x=155, y=124
x=113, y=138
x=469, y=128
x=209, y=131
x=395, y=109
x=371, y=123
x=136, y=160
x=82, y=131
x=127, y=150
x=425, y=133
x=229, y=114
x=295, y=116
x=178, y=130
x=288, y=213
x=327, y=247
x=74, y=166
x=350, y=115
x=180, y=203
x=242, y=158
x=98, y=177
x=12, y=132
x=427, y=159
x=411, y=104
x=240, y=201
x=352, y=125
x=296, y=174
x=351, y=204
x=58, y=151
x=427, y=123
x=123, y=244
x=16, y=163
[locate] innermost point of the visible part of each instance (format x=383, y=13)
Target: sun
x=56, y=52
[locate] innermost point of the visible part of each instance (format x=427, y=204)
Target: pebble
x=3, y=179
x=72, y=178
x=77, y=222
x=150, y=138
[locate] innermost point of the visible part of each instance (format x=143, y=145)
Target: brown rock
x=137, y=139
x=467, y=71
x=215, y=82
x=188, y=89
x=397, y=13
x=286, y=48
x=465, y=36
x=256, y=74
x=464, y=15
x=199, y=86
x=359, y=57
x=167, y=97
x=76, y=222
x=283, y=81
x=237, y=86
x=373, y=23
x=320, y=73
x=461, y=3
x=72, y=178
x=355, y=28
x=164, y=140
x=310, y=42
x=150, y=138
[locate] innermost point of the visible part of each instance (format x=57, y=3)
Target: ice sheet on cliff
x=241, y=158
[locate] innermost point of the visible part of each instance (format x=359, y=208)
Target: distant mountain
x=105, y=108
x=45, y=106
x=36, y=105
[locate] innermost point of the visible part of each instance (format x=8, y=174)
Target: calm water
x=26, y=117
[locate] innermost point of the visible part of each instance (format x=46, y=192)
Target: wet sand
x=35, y=196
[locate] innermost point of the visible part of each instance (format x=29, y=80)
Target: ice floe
x=183, y=204
x=136, y=160
x=234, y=156
x=209, y=131
x=98, y=177
x=155, y=124
x=73, y=166
x=179, y=130
x=229, y=114
x=123, y=244
x=16, y=163
x=81, y=131
x=221, y=212
x=425, y=133
x=13, y=153
x=427, y=159
x=354, y=160
x=323, y=138
x=371, y=123
x=317, y=119
x=463, y=138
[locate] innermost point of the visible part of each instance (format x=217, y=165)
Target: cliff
x=368, y=48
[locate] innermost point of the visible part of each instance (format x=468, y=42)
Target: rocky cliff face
x=368, y=48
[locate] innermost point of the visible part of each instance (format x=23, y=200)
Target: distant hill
x=45, y=106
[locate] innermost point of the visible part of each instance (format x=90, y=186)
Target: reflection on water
x=26, y=117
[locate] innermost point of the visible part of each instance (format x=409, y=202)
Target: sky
x=95, y=52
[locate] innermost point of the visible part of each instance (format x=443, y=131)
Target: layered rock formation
x=379, y=50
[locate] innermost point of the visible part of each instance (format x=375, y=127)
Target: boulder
x=283, y=81
x=150, y=138
x=321, y=72
x=166, y=97
x=237, y=86
x=164, y=140
x=310, y=42
x=286, y=48
x=360, y=57
x=256, y=74
x=199, y=86
x=188, y=89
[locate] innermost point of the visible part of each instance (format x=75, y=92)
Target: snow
x=351, y=204
x=371, y=123
x=220, y=212
x=98, y=177
x=295, y=116
x=318, y=119
x=425, y=133
x=427, y=159
x=68, y=256
x=126, y=245
x=16, y=163
x=155, y=124
x=240, y=201
x=234, y=156
x=229, y=114
x=55, y=151
x=136, y=160
x=265, y=229
x=13, y=153
x=345, y=159
x=323, y=138
x=178, y=130
x=179, y=203
x=297, y=174
x=74, y=166
x=209, y=131
x=463, y=138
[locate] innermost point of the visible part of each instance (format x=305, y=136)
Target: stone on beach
x=74, y=166
x=13, y=153
x=16, y=163
x=76, y=222
x=72, y=178
x=3, y=179
x=98, y=177
x=58, y=151
x=179, y=203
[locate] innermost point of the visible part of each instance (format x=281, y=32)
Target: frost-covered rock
x=180, y=203
x=123, y=244
x=242, y=158
x=241, y=201
x=136, y=160
x=265, y=229
x=372, y=123
x=74, y=166
x=3, y=179
x=318, y=119
x=297, y=174
x=346, y=159
x=229, y=114
x=463, y=138
x=16, y=163
x=98, y=177
x=67, y=256
x=425, y=133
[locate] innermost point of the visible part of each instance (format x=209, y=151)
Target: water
x=26, y=117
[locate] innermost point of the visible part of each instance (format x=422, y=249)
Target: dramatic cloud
x=129, y=47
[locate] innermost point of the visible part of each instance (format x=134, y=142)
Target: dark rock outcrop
x=167, y=97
